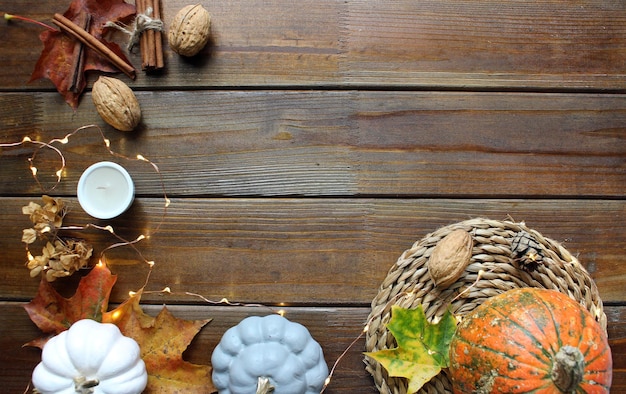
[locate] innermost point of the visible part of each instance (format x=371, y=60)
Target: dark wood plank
x=337, y=143
x=334, y=328
x=307, y=251
x=547, y=44
x=433, y=44
x=307, y=147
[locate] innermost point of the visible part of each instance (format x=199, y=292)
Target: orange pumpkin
x=530, y=341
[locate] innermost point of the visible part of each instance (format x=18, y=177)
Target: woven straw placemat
x=408, y=284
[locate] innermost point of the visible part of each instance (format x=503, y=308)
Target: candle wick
x=101, y=187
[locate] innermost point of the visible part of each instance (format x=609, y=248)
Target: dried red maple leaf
x=56, y=60
x=162, y=341
x=53, y=313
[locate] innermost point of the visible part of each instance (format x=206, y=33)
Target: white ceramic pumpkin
x=90, y=357
x=269, y=347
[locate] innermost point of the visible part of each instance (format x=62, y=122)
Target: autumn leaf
x=422, y=347
x=56, y=60
x=163, y=340
x=53, y=313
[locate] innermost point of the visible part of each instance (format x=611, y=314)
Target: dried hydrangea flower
x=51, y=213
x=59, y=257
x=46, y=219
x=37, y=264
x=74, y=254
x=29, y=235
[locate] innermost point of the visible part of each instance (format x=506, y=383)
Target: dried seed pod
x=526, y=251
x=189, y=31
x=116, y=103
x=450, y=257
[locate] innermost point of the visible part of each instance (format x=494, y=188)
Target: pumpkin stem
x=84, y=386
x=264, y=386
x=568, y=369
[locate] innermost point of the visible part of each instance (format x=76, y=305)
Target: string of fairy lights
x=25, y=141
x=59, y=175
x=151, y=263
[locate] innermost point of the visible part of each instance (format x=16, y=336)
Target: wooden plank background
x=309, y=145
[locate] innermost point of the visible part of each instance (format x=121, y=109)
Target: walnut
x=116, y=103
x=450, y=257
x=189, y=31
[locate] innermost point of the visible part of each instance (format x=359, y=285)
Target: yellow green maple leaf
x=162, y=340
x=422, y=349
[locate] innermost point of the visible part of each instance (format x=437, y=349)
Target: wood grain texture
x=487, y=43
x=310, y=144
x=333, y=328
x=309, y=251
x=435, y=44
x=320, y=143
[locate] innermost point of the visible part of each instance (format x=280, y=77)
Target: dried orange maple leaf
x=162, y=340
x=56, y=60
x=53, y=313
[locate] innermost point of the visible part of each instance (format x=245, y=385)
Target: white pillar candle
x=105, y=190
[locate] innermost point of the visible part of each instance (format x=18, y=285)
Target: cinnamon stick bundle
x=78, y=63
x=151, y=41
x=83, y=36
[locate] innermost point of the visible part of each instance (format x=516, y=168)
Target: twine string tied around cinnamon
x=142, y=22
